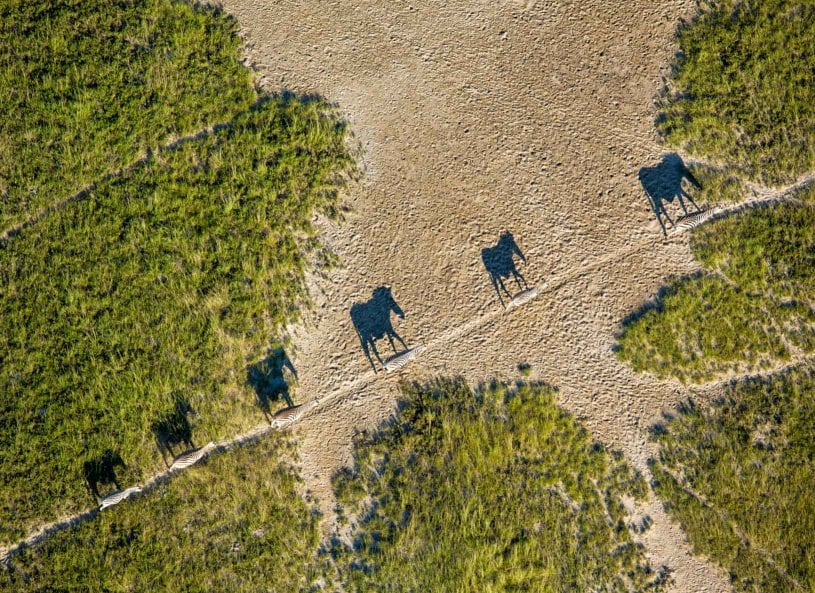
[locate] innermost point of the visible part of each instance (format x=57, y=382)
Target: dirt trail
x=478, y=117
x=35, y=217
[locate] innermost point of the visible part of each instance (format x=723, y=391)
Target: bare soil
x=475, y=118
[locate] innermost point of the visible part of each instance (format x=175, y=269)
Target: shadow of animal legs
x=372, y=321
x=102, y=470
x=499, y=261
x=271, y=379
x=173, y=429
x=663, y=183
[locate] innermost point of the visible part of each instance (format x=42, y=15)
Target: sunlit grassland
x=494, y=489
x=738, y=473
x=739, y=476
x=89, y=86
x=742, y=92
x=752, y=308
x=234, y=523
x=148, y=299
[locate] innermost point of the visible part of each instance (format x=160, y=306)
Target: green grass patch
x=234, y=523
x=495, y=490
x=89, y=86
x=743, y=467
x=754, y=307
x=742, y=91
x=135, y=312
x=716, y=186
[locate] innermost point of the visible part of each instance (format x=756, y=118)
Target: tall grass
x=89, y=86
x=135, y=312
x=493, y=490
x=752, y=308
x=739, y=476
x=743, y=88
x=234, y=523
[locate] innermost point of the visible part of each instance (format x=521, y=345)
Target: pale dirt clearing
x=475, y=118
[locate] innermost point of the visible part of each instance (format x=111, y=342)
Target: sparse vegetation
x=739, y=477
x=140, y=307
x=525, y=369
x=743, y=88
x=752, y=308
x=495, y=489
x=234, y=523
x=89, y=87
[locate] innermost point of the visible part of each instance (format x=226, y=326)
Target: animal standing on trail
x=372, y=320
x=663, y=183
x=499, y=261
x=174, y=429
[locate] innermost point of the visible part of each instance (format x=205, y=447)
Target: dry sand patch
x=476, y=118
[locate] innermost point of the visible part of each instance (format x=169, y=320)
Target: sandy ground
x=479, y=117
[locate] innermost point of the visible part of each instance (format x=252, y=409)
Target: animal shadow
x=372, y=321
x=173, y=429
x=102, y=471
x=663, y=184
x=271, y=378
x=499, y=261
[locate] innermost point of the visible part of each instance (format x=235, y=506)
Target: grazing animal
x=499, y=261
x=524, y=297
x=372, y=321
x=189, y=458
x=272, y=378
x=663, y=184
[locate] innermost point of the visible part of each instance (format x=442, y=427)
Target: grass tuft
x=752, y=308
x=90, y=86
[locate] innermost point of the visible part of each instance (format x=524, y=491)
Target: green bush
x=753, y=306
x=89, y=86
x=743, y=88
x=743, y=467
x=136, y=311
x=234, y=523
x=490, y=490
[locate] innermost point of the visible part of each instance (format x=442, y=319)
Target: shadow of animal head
x=174, y=428
x=499, y=261
x=372, y=321
x=102, y=470
x=271, y=379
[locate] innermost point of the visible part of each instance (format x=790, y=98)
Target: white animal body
x=400, y=360
x=117, y=497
